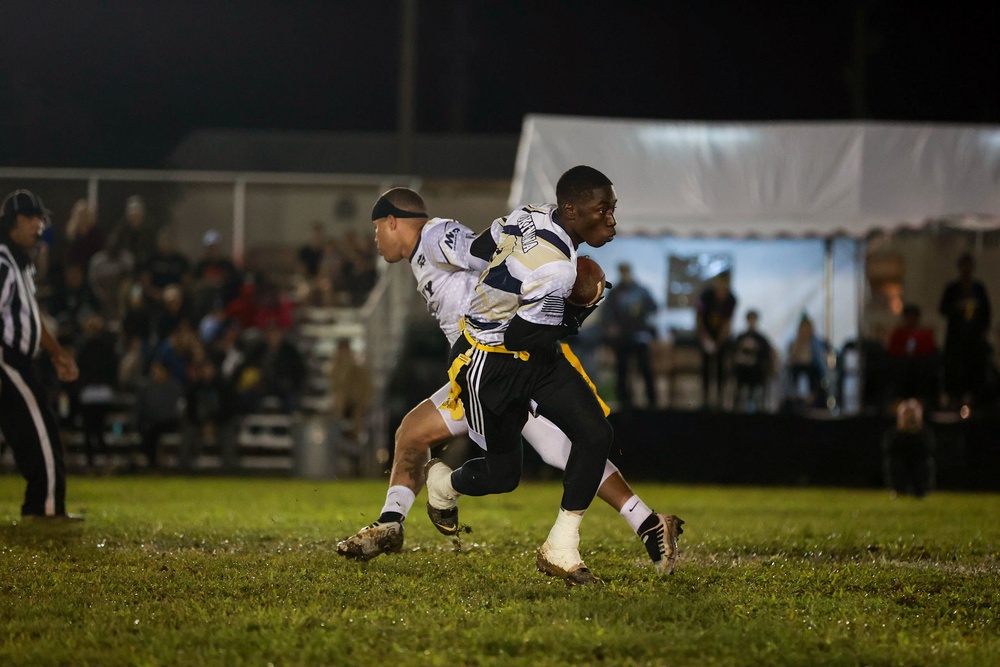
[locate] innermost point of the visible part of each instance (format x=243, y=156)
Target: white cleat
x=373, y=540
x=567, y=564
x=442, y=499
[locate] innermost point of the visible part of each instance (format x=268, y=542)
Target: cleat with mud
x=372, y=541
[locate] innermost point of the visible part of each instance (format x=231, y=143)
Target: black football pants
x=564, y=398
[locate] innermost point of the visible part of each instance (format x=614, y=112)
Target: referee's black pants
x=497, y=406
x=29, y=426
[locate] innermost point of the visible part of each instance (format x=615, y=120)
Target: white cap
x=211, y=237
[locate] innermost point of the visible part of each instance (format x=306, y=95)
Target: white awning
x=770, y=179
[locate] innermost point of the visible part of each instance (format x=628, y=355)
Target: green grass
x=208, y=571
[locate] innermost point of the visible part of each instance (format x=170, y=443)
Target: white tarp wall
x=685, y=188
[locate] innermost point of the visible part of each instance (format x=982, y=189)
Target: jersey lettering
x=528, y=232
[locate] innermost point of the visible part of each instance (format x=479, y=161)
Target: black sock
x=389, y=517
x=650, y=521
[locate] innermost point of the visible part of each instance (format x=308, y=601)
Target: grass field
x=202, y=571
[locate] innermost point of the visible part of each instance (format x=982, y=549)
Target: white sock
x=565, y=533
x=635, y=512
x=398, y=499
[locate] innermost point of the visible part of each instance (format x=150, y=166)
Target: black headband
x=384, y=208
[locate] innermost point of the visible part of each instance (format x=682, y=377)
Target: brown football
x=589, y=285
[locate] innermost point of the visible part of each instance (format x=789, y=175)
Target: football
x=589, y=285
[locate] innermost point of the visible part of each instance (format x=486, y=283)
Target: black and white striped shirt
x=20, y=326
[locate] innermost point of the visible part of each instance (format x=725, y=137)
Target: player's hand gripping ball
x=589, y=285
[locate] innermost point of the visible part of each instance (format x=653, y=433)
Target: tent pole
x=861, y=275
x=831, y=357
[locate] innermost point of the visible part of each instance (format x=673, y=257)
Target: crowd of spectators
x=196, y=343
x=737, y=368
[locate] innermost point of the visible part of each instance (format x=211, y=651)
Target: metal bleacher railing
x=262, y=218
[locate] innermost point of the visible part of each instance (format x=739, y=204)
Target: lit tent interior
x=789, y=207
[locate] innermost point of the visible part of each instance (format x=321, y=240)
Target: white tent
x=808, y=193
x=769, y=179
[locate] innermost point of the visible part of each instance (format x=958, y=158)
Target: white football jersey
x=446, y=272
x=531, y=274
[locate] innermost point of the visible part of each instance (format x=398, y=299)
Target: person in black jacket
x=98, y=363
x=965, y=305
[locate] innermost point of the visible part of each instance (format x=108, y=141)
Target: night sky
x=119, y=84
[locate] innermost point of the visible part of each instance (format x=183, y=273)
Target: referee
x=26, y=420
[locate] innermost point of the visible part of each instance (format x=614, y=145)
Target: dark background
x=119, y=84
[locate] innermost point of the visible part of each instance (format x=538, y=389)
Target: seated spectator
x=351, y=383
x=274, y=308
x=109, y=277
x=98, y=361
x=166, y=266
x=158, y=408
x=753, y=363
x=72, y=302
x=178, y=351
x=137, y=324
x=226, y=353
x=273, y=374
x=908, y=451
x=175, y=311
x=216, y=279
x=85, y=238
x=210, y=410
x=132, y=364
x=243, y=308
x=914, y=357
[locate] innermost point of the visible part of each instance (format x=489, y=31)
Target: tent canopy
x=770, y=179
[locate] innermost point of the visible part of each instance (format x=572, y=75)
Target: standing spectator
x=908, y=451
x=965, y=305
x=351, y=383
x=913, y=355
x=807, y=365
x=330, y=284
x=753, y=361
x=158, y=408
x=134, y=233
x=216, y=279
x=311, y=253
x=714, y=319
x=166, y=266
x=27, y=421
x=627, y=328
x=85, y=238
x=360, y=269
x=110, y=276
x=98, y=379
